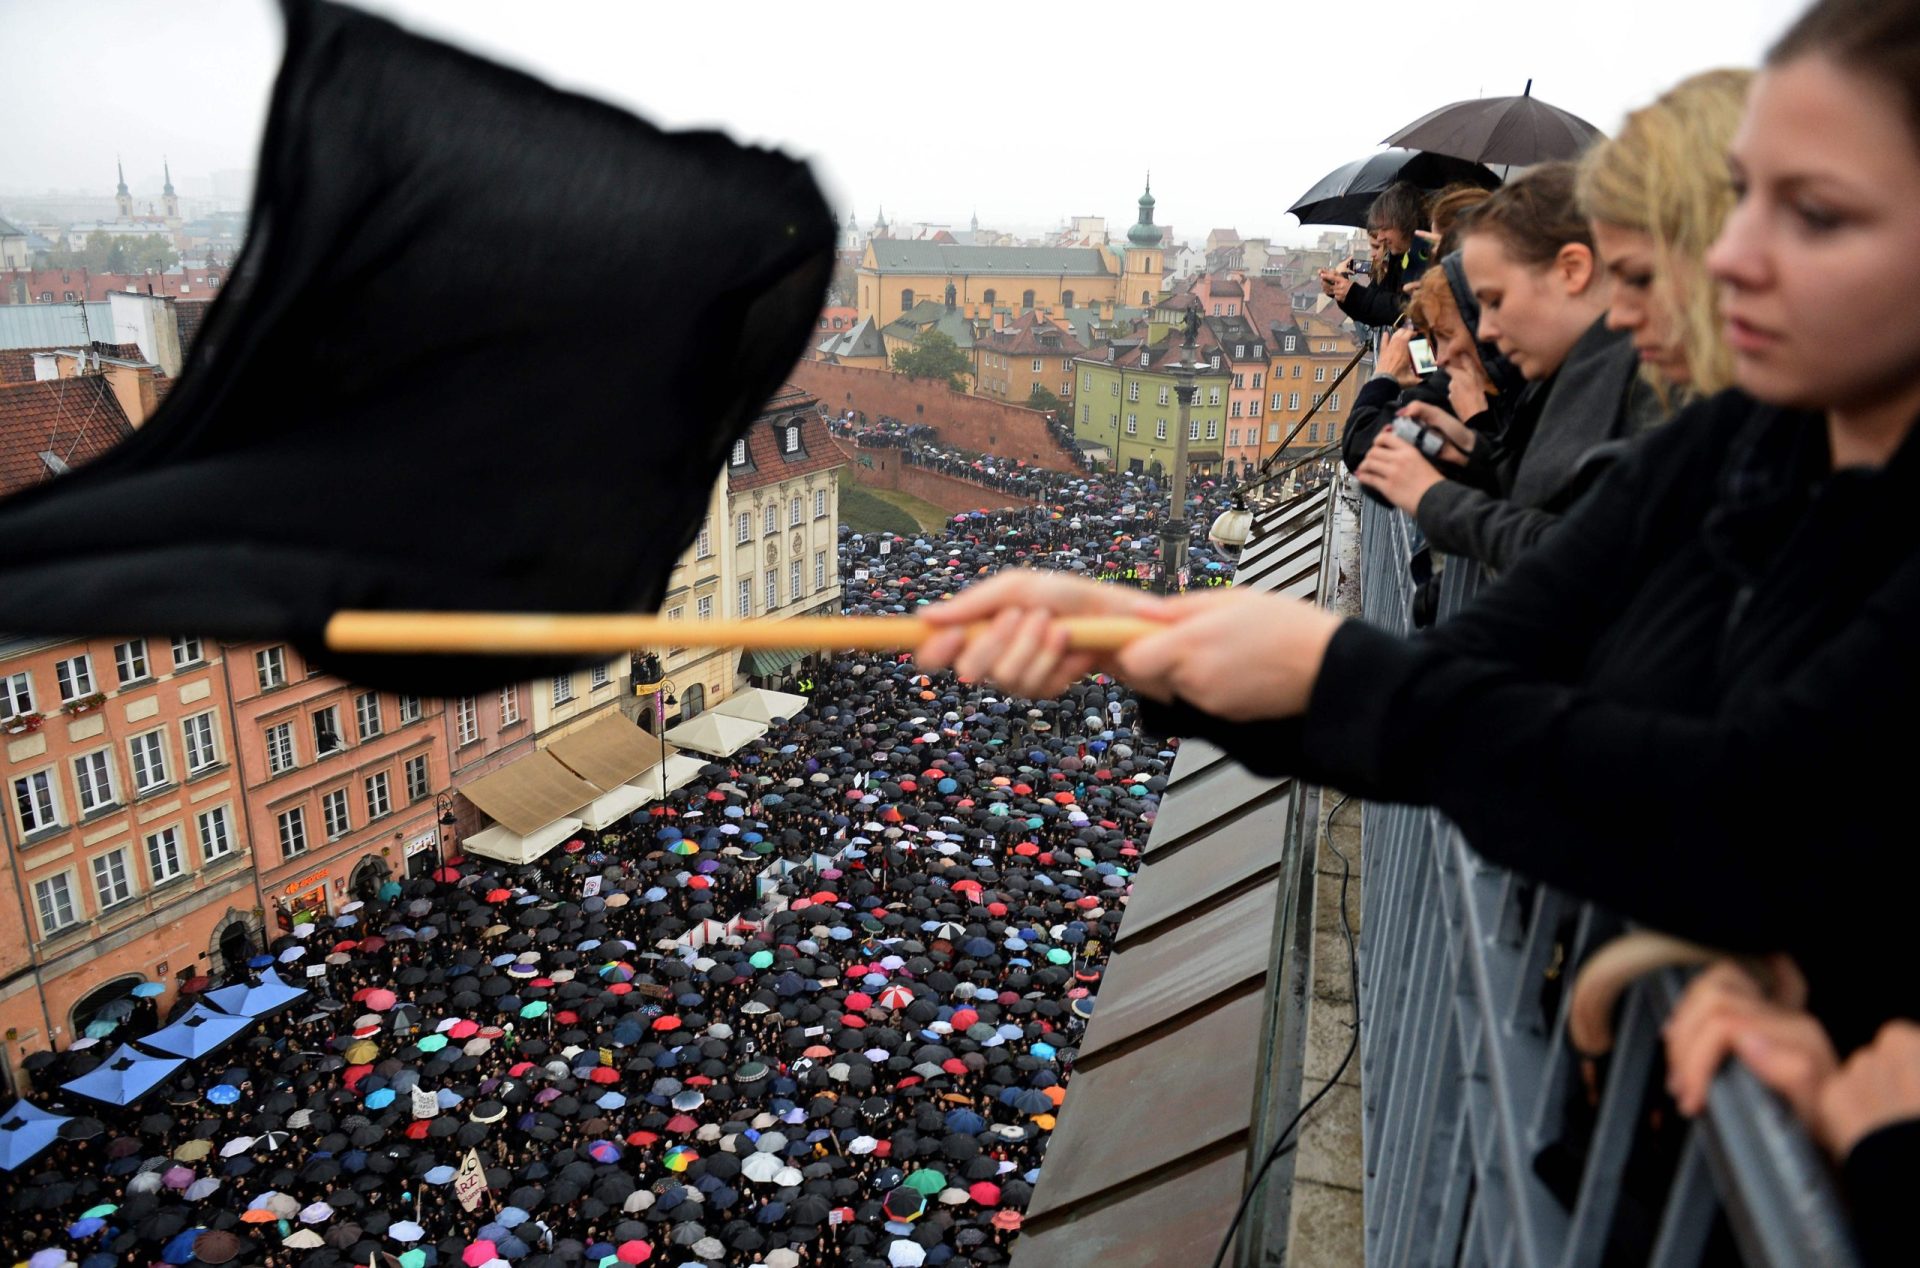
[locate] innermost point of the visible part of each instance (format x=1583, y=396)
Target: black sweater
x=1693, y=703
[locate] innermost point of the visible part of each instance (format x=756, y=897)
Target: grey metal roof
x=1180, y=1083
x=10, y=230
x=940, y=257
x=932, y=313
x=54, y=325
x=862, y=339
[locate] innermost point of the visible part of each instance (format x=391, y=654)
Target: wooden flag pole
x=507, y=633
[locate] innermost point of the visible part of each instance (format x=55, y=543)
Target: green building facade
x=1125, y=402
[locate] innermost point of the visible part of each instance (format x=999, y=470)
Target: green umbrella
x=432, y=1043
x=98, y=1212
x=761, y=959
x=1058, y=955
x=536, y=1009
x=415, y=1258
x=928, y=1180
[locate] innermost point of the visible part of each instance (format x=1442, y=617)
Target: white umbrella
x=906, y=1254
x=862, y=1145
x=788, y=1176
x=760, y=1168
x=305, y=1239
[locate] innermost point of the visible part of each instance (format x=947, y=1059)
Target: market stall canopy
x=25, y=1130
x=716, y=734
x=681, y=771
x=527, y=795
x=198, y=1033
x=266, y=996
x=618, y=802
x=509, y=846
x=608, y=753
x=124, y=1077
x=759, y=704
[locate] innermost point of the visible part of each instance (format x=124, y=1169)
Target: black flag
x=486, y=348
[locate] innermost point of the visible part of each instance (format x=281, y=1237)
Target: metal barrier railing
x=1486, y=1140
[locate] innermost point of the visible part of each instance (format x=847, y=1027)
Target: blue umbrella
x=180, y=1249
x=223, y=1094
x=440, y=1175
x=147, y=990
x=380, y=1099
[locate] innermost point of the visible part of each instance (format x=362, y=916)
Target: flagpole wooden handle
x=566, y=634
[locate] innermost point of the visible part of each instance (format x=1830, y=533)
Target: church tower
x=169, y=202
x=121, y=197
x=1140, y=280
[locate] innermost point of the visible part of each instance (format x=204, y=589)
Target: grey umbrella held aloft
x=1506, y=131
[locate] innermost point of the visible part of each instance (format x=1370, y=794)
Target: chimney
x=133, y=387
x=1106, y=309
x=999, y=319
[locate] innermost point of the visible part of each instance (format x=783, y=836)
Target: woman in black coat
x=1685, y=703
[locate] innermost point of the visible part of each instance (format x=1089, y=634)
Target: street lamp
x=443, y=804
x=1174, y=534
x=649, y=679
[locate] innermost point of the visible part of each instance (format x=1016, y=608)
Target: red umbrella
x=896, y=997
x=620, y=988
x=667, y=1022
x=985, y=1194
x=195, y=984
x=641, y=1138
x=463, y=1029
x=634, y=1252
x=962, y=1018
x=682, y=1124
x=1026, y=849
x=604, y=1074
x=498, y=895
x=381, y=999
x=954, y=1065
x=858, y=999
x=374, y=943
x=447, y=875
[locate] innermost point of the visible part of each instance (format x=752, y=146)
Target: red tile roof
x=77, y=419
x=767, y=462
x=1023, y=336
x=190, y=313
x=16, y=364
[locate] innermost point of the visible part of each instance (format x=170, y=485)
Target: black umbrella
x=1342, y=196
x=1508, y=131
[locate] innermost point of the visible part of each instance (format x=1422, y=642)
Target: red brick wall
x=949, y=493
x=965, y=422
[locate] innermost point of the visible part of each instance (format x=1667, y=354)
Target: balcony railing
x=1486, y=1140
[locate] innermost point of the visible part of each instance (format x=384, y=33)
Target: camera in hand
x=1358, y=266
x=1422, y=437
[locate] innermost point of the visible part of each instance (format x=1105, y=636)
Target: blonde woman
x=1657, y=196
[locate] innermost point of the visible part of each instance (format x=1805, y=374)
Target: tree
x=1043, y=399
x=115, y=253
x=934, y=355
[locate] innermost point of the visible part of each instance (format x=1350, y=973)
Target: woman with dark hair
x=1394, y=222
x=1731, y=614
x=1528, y=258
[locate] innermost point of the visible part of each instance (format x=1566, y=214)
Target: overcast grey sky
x=1028, y=112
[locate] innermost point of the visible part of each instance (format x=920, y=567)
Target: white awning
x=510, y=847
x=681, y=771
x=758, y=704
x=716, y=733
x=530, y=792
x=616, y=804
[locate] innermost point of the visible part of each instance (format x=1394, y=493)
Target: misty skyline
x=1008, y=111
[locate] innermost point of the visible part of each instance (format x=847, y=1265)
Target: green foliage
x=864, y=512
x=1044, y=398
x=934, y=355
x=113, y=253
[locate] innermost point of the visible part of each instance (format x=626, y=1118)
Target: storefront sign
x=306, y=882
x=425, y=841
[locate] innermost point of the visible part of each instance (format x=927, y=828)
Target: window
x=16, y=694
x=1319, y=374
x=562, y=689
x=703, y=544
x=1160, y=429
x=280, y=754
x=149, y=761
x=1086, y=413
x=702, y=608
x=796, y=511
x=1239, y=350
x=163, y=856
x=271, y=666
x=1293, y=400
x=1213, y=429
x=1276, y=400
x=1333, y=403
x=819, y=502
x=1273, y=432
x=1316, y=400
x=597, y=678
x=333, y=813
x=1145, y=357
x=1253, y=407
x=197, y=731
x=75, y=677
x=1213, y=396
x=819, y=570
x=1236, y=409
x=743, y=527
x=410, y=709
x=743, y=602
x=53, y=895
x=1066, y=299
x=1296, y=371
x=379, y=796
x=416, y=773
x=1239, y=381
x=1113, y=388
x=187, y=651
x=93, y=780
x=1133, y=391
x=510, y=704
x=773, y=589
x=327, y=737
x=796, y=584
x=1193, y=429
x=1257, y=378
x=1037, y=367
x=33, y=798
x=1213, y=361
x=791, y=439
x=130, y=659
x=770, y=519
x=216, y=838
x=1086, y=381
x=1233, y=436
x=1133, y=424
x=1026, y=299
x=110, y=880
x=366, y=713
x=293, y=832
x=1287, y=344
x=988, y=296
x=906, y=298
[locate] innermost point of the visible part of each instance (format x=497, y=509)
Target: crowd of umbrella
x=819, y=1007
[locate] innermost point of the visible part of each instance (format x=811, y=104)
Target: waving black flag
x=486, y=348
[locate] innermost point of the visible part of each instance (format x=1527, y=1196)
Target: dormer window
x=1289, y=343
x=1145, y=357
x=1215, y=359
x=1259, y=350
x=792, y=443
x=739, y=457
x=1239, y=351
